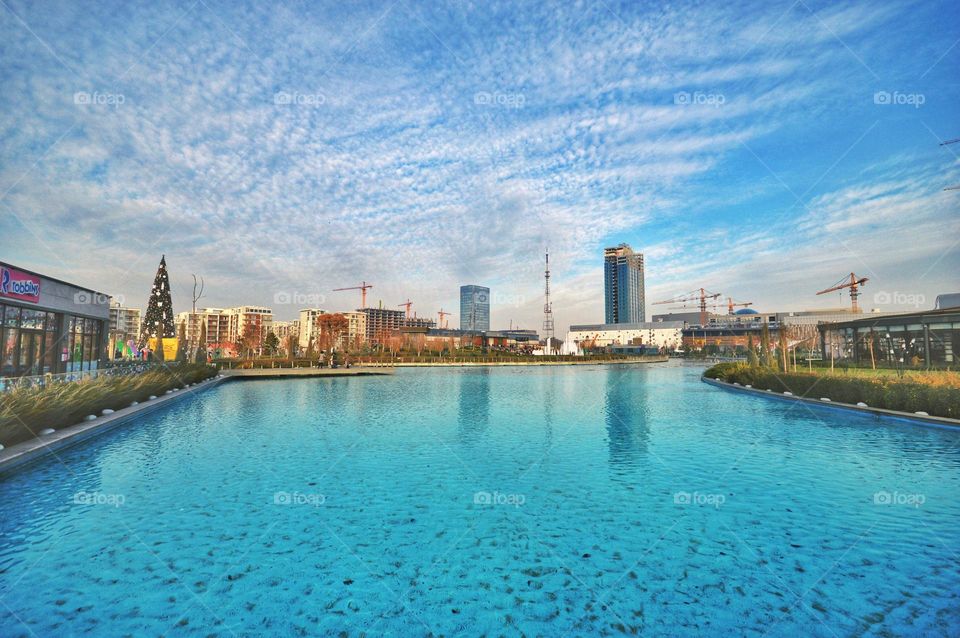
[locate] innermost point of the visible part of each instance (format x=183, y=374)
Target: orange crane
x=443, y=318
x=363, y=292
x=406, y=304
x=731, y=305
x=853, y=283
x=700, y=295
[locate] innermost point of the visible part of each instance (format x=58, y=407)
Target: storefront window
x=11, y=316
x=31, y=342
x=32, y=319
x=9, y=345
x=49, y=352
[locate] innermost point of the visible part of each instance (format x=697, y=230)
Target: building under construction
x=381, y=323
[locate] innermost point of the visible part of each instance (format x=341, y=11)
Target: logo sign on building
x=19, y=285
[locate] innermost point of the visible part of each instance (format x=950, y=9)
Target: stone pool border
x=15, y=456
x=879, y=413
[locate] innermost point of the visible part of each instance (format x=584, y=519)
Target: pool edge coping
x=880, y=413
x=20, y=454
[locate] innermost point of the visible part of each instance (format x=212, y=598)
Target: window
x=11, y=317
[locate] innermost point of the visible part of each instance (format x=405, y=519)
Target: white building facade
x=659, y=334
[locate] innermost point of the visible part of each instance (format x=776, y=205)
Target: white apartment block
x=309, y=330
x=357, y=330
x=217, y=323
x=256, y=320
x=124, y=323
x=284, y=330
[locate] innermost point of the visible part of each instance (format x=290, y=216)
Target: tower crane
x=363, y=292
x=853, y=283
x=700, y=295
x=443, y=318
x=407, y=305
x=731, y=305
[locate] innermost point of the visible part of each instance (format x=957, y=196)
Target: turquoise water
x=540, y=501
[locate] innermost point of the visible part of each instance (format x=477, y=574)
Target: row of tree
x=768, y=357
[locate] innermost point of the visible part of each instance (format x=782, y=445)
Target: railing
x=42, y=380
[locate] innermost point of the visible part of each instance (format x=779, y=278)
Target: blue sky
x=280, y=150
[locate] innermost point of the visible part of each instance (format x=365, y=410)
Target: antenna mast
x=547, y=308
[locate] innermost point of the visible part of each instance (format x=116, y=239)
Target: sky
x=762, y=150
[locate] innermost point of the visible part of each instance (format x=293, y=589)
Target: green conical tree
x=201, y=355
x=765, y=345
x=182, y=342
x=158, y=320
x=751, y=352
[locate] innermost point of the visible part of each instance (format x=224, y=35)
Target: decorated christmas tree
x=159, y=318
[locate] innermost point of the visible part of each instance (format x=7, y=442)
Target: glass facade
x=474, y=308
x=623, y=286
x=917, y=340
x=34, y=341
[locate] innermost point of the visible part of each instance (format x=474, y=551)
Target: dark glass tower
x=474, y=308
x=623, y=285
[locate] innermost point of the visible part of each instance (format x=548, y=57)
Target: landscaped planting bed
x=936, y=393
x=25, y=412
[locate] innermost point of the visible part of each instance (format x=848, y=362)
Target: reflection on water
x=625, y=410
x=473, y=404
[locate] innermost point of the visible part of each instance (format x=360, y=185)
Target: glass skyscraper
x=623, y=285
x=474, y=308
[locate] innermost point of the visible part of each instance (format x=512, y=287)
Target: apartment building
x=217, y=323
x=124, y=323
x=256, y=321
x=309, y=330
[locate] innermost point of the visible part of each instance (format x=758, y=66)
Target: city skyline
x=762, y=151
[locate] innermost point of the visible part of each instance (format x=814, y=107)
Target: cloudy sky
x=280, y=150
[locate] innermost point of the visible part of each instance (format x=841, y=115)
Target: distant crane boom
x=853, y=283
x=700, y=295
x=406, y=304
x=443, y=318
x=363, y=292
x=731, y=305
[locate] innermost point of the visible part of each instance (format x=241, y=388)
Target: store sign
x=19, y=285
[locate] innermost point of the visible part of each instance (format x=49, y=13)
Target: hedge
x=25, y=411
x=891, y=393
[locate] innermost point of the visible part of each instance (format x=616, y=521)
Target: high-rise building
x=382, y=323
x=623, y=285
x=474, y=308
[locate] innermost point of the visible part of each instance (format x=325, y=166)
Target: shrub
x=24, y=411
x=937, y=394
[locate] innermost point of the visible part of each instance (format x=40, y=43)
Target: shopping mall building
x=49, y=326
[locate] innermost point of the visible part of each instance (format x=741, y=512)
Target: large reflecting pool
x=544, y=501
